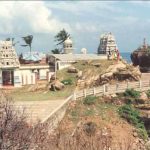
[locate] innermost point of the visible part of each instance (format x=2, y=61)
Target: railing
x=112, y=89
x=56, y=116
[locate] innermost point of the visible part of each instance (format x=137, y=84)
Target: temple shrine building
x=28, y=69
x=108, y=45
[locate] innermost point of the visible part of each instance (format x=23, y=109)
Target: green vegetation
x=132, y=116
x=148, y=93
x=60, y=37
x=89, y=100
x=67, y=82
x=89, y=112
x=132, y=93
x=23, y=94
x=28, y=40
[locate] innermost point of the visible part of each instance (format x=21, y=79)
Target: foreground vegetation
x=91, y=123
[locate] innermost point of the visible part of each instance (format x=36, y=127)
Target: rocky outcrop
x=141, y=57
x=120, y=72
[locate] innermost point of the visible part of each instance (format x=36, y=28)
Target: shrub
x=148, y=93
x=67, y=82
x=132, y=93
x=89, y=128
x=89, y=100
x=129, y=113
x=89, y=112
x=132, y=116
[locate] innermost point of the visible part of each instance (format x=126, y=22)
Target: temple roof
x=33, y=56
x=8, y=55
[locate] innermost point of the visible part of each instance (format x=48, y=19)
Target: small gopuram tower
x=9, y=64
x=107, y=44
x=68, y=46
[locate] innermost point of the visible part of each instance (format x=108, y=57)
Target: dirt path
x=37, y=110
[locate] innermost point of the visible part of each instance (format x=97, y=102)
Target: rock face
x=141, y=57
x=120, y=72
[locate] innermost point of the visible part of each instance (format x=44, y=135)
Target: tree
x=12, y=39
x=56, y=51
x=61, y=36
x=28, y=40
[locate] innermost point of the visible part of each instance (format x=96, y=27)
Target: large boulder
x=141, y=57
x=56, y=85
x=120, y=72
x=72, y=70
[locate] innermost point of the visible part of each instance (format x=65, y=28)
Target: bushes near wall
x=131, y=93
x=89, y=100
x=132, y=116
x=67, y=82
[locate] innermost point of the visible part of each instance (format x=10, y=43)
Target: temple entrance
x=8, y=77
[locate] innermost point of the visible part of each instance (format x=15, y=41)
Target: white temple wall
x=43, y=73
x=62, y=64
x=17, y=78
x=28, y=77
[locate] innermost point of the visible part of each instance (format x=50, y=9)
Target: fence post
x=74, y=96
x=127, y=84
x=140, y=83
x=84, y=92
x=94, y=91
x=104, y=89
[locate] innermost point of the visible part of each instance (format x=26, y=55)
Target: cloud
x=84, y=7
x=19, y=17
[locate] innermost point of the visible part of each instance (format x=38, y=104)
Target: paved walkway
x=37, y=110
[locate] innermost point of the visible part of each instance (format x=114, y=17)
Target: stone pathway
x=37, y=110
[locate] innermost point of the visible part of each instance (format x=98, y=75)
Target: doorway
x=8, y=77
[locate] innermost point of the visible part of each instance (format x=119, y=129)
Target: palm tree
x=28, y=40
x=12, y=39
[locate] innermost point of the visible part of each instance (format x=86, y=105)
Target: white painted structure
x=68, y=46
x=61, y=61
x=12, y=73
x=107, y=45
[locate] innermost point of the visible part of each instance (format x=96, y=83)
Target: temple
x=29, y=68
x=108, y=45
x=33, y=67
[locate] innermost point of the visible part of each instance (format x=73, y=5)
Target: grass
x=88, y=69
x=22, y=94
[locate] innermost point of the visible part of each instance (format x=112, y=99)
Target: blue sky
x=129, y=21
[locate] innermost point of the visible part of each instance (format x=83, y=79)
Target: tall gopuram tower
x=9, y=64
x=68, y=46
x=107, y=44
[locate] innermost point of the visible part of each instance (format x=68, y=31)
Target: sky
x=129, y=21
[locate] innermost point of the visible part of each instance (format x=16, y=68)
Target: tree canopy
x=28, y=40
x=60, y=37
